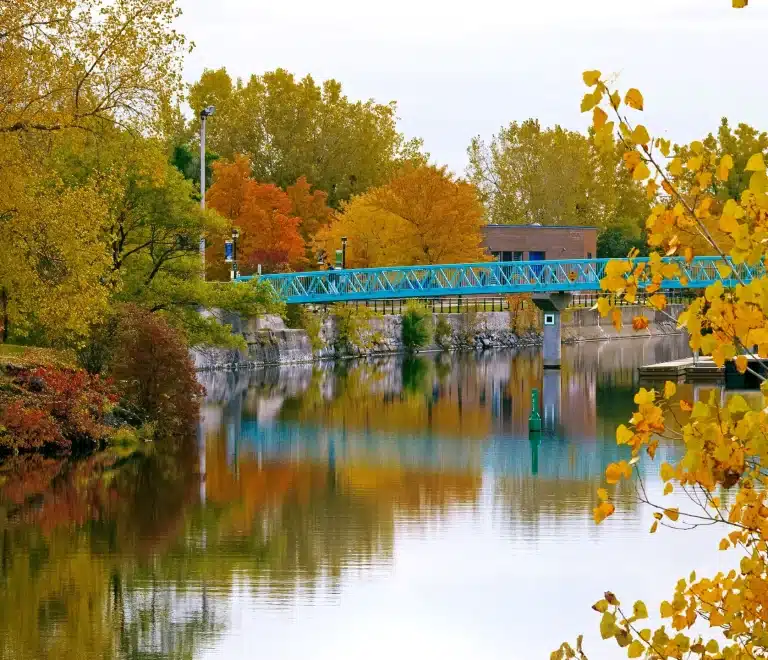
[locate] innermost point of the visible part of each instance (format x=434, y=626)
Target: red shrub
x=56, y=408
x=77, y=400
x=29, y=428
x=152, y=368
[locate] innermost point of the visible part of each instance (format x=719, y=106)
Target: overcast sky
x=459, y=69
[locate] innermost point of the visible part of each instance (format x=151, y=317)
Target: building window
x=589, y=255
x=496, y=255
x=518, y=256
x=537, y=256
x=506, y=256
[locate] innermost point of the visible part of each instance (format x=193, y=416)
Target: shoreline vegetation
x=134, y=386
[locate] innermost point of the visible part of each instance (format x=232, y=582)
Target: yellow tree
x=423, y=216
x=309, y=205
x=64, y=63
x=726, y=445
x=53, y=261
x=68, y=67
x=554, y=176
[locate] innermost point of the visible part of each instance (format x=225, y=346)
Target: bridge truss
x=493, y=278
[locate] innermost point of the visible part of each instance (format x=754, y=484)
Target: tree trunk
x=4, y=305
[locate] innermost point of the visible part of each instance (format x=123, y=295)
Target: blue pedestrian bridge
x=492, y=278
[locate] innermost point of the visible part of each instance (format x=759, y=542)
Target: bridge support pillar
x=551, y=395
x=552, y=304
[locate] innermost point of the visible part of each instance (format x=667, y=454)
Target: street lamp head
x=343, y=239
x=207, y=112
x=235, y=233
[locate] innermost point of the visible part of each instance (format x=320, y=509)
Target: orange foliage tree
x=269, y=232
x=423, y=216
x=311, y=206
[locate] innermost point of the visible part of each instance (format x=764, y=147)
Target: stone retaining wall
x=270, y=342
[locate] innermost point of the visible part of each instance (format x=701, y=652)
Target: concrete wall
x=587, y=324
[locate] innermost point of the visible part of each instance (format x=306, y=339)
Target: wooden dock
x=685, y=370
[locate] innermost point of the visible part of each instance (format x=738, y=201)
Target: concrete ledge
x=587, y=324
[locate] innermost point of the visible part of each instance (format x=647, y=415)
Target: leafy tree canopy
x=291, y=128
x=423, y=216
x=552, y=176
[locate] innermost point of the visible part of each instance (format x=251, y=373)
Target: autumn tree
x=66, y=63
x=68, y=68
x=552, y=176
x=311, y=206
x=423, y=216
x=722, y=469
x=269, y=232
x=292, y=128
x=52, y=260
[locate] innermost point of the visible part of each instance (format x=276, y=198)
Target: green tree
x=418, y=328
x=616, y=241
x=152, y=232
x=528, y=174
x=740, y=144
x=186, y=158
x=291, y=128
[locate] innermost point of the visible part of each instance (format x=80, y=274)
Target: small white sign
x=549, y=319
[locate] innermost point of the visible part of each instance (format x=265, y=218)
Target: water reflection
x=320, y=481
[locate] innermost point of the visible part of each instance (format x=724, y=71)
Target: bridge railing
x=483, y=279
x=498, y=303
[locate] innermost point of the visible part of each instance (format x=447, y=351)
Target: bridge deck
x=483, y=279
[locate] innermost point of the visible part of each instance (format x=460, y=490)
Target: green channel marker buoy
x=534, y=420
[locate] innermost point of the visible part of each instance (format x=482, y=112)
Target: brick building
x=539, y=242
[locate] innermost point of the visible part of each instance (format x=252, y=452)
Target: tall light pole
x=204, y=114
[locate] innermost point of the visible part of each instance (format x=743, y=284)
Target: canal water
x=388, y=508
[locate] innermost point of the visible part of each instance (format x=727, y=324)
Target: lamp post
x=235, y=236
x=204, y=114
x=230, y=253
x=343, y=252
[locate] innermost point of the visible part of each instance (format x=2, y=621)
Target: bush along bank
x=144, y=389
x=49, y=408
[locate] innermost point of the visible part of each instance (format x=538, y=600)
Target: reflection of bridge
x=548, y=457
x=556, y=276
